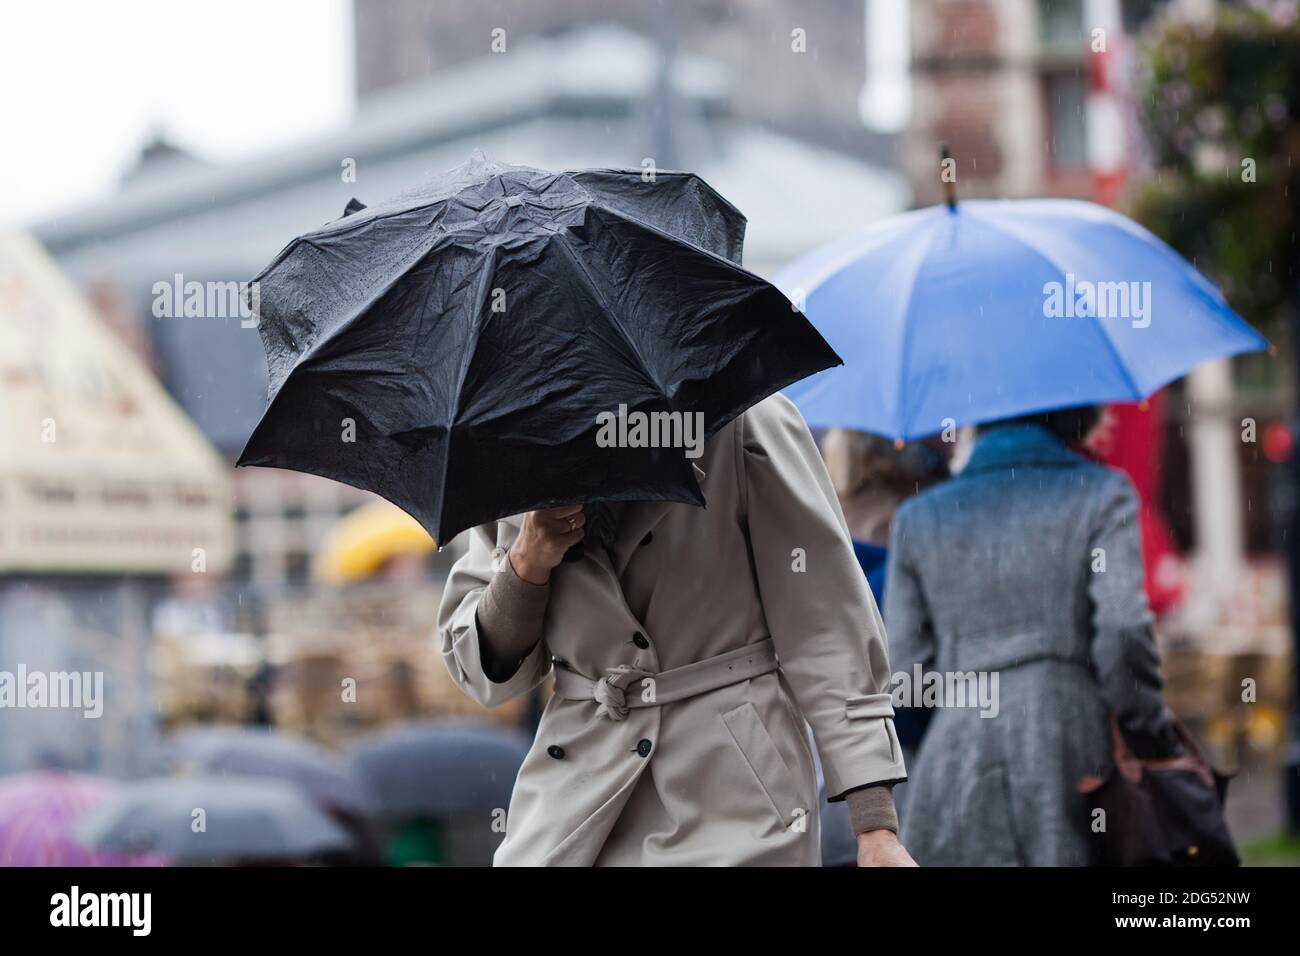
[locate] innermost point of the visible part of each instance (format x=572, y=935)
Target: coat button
x=649, y=536
x=644, y=747
x=556, y=751
x=640, y=640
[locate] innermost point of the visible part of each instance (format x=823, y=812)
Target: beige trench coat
x=725, y=777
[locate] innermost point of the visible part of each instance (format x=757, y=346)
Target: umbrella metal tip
x=948, y=177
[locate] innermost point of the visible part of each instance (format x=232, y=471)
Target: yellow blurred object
x=1264, y=727
x=363, y=541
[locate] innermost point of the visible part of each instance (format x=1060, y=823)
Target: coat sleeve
x=907, y=616
x=828, y=633
x=459, y=638
x=1124, y=652
x=908, y=623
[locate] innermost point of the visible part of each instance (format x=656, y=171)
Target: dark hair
x=1066, y=424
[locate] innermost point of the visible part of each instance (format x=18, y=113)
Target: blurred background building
x=814, y=99
x=592, y=96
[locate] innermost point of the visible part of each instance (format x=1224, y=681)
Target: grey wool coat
x=720, y=776
x=1027, y=566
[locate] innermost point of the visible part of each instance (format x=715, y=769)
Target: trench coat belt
x=611, y=692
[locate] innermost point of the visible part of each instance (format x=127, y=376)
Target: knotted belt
x=611, y=692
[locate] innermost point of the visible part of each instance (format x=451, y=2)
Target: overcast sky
x=85, y=82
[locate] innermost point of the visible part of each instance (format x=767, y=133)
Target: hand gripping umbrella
x=456, y=349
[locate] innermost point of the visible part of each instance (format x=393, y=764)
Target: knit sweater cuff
x=872, y=808
x=509, y=615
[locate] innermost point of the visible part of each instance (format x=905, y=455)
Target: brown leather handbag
x=1160, y=812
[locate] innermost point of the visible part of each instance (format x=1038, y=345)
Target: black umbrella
x=242, y=817
x=452, y=349
x=262, y=752
x=432, y=768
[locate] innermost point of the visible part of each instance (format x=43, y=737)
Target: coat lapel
x=639, y=519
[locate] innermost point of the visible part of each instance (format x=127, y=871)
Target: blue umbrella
x=990, y=309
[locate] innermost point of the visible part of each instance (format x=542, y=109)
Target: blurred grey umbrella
x=212, y=819
x=261, y=752
x=440, y=767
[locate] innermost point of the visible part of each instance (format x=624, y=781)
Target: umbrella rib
x=921, y=258
x=310, y=352
x=1015, y=237
x=609, y=312
x=470, y=353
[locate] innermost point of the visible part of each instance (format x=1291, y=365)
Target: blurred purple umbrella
x=36, y=811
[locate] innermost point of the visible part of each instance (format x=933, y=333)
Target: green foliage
x=1280, y=849
x=1221, y=107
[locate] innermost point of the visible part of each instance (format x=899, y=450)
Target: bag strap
x=1131, y=766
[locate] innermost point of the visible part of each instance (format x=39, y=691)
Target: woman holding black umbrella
x=463, y=350
x=674, y=736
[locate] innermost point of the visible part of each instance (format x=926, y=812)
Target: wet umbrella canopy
x=991, y=309
x=260, y=752
x=241, y=818
x=456, y=349
x=37, y=811
x=432, y=767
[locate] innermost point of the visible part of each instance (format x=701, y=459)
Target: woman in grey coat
x=1018, y=584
